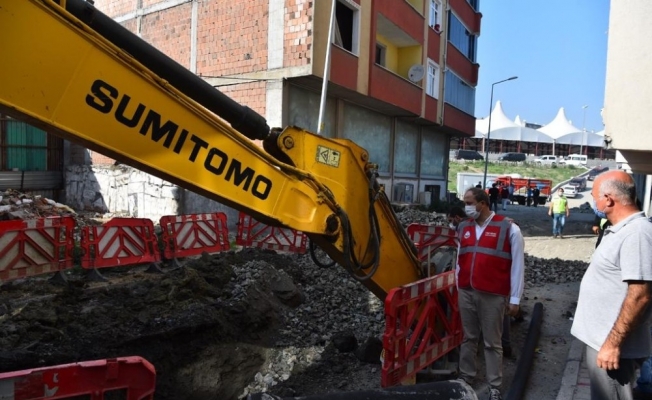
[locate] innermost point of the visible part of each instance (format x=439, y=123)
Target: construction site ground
x=248, y=321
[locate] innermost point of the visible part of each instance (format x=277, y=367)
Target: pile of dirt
x=219, y=327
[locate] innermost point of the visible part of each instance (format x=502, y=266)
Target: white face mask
x=471, y=212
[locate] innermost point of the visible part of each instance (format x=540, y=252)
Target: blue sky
x=558, y=50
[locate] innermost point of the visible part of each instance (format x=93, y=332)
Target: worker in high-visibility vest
x=559, y=211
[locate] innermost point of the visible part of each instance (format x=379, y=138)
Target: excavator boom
x=85, y=78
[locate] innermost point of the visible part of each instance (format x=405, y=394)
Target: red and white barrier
x=252, y=233
x=189, y=235
x=119, y=242
x=429, y=238
x=91, y=379
x=422, y=325
x=35, y=247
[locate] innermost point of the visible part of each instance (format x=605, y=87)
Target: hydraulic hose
x=241, y=118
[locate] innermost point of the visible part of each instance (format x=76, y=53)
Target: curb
x=571, y=372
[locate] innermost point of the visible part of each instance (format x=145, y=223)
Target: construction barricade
x=35, y=247
x=189, y=235
x=129, y=378
x=119, y=242
x=252, y=233
x=422, y=325
x=429, y=238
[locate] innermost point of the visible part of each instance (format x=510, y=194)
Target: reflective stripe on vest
x=559, y=204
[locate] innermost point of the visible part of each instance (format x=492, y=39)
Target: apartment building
x=402, y=72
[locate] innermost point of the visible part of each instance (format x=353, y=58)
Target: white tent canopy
x=559, y=126
x=586, y=139
x=559, y=130
x=498, y=121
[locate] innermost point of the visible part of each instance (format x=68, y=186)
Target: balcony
x=465, y=68
x=344, y=68
x=402, y=15
x=467, y=14
x=459, y=120
x=392, y=89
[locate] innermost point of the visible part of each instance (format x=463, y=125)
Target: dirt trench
x=205, y=332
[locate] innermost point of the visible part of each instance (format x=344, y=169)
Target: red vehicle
x=520, y=186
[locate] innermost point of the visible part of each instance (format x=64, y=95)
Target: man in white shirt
x=490, y=279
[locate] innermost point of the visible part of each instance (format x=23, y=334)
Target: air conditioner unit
x=425, y=198
x=403, y=193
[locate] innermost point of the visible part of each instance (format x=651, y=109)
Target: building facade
x=402, y=72
x=402, y=83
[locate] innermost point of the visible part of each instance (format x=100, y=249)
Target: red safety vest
x=486, y=264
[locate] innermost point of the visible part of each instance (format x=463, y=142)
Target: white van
x=575, y=160
x=546, y=160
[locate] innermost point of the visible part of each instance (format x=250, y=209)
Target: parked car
x=570, y=191
x=575, y=160
x=579, y=183
x=512, y=157
x=546, y=160
x=468, y=155
x=596, y=171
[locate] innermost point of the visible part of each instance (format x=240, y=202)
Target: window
x=458, y=93
x=475, y=4
x=381, y=52
x=346, y=25
x=461, y=37
x=435, y=13
x=432, y=81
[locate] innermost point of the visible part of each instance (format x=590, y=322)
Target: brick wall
x=169, y=31
x=251, y=94
x=232, y=37
x=116, y=8
x=298, y=32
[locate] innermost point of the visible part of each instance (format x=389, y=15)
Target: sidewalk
x=575, y=380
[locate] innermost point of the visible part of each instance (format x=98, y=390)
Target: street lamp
x=583, y=129
x=491, y=107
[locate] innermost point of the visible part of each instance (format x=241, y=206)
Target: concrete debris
x=17, y=205
x=411, y=215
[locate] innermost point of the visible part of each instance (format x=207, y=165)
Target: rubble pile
x=540, y=271
x=410, y=215
x=17, y=205
x=583, y=208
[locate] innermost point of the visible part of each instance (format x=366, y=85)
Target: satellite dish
x=416, y=72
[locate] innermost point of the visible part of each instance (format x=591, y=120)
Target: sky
x=558, y=50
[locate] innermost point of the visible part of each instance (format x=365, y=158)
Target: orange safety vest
x=486, y=264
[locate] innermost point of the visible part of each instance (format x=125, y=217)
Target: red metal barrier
x=189, y=235
x=422, y=325
x=119, y=242
x=133, y=377
x=428, y=238
x=35, y=247
x=252, y=233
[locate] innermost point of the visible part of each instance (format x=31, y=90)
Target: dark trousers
x=493, y=205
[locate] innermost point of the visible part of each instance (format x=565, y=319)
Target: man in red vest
x=490, y=279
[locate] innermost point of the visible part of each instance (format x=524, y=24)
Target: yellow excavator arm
x=76, y=73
